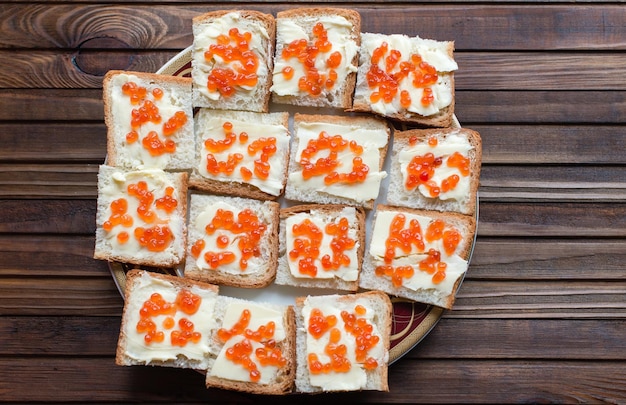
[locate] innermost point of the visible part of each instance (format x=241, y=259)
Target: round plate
x=412, y=321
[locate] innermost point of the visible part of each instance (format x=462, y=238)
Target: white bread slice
x=343, y=27
x=261, y=265
x=125, y=152
x=280, y=379
x=132, y=348
x=326, y=214
x=426, y=291
x=258, y=127
x=378, y=314
x=207, y=28
x=113, y=184
x=371, y=133
x=449, y=140
x=438, y=54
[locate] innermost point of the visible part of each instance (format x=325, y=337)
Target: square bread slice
x=256, y=346
x=328, y=329
x=321, y=246
x=167, y=321
x=337, y=159
x=316, y=57
x=406, y=79
x=232, y=60
x=141, y=216
x=149, y=120
x=232, y=241
x=241, y=153
x=435, y=169
x=418, y=255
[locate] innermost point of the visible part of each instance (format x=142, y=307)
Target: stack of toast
x=301, y=152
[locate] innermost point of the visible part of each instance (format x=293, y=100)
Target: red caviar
x=325, y=166
x=385, y=82
x=313, y=82
x=156, y=305
x=307, y=242
x=339, y=244
x=243, y=63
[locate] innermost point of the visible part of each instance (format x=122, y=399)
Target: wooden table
x=541, y=316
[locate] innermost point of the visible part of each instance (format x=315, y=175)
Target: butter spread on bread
x=166, y=321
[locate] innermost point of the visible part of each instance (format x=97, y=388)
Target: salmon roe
x=243, y=63
x=186, y=302
x=146, y=112
x=314, y=81
x=325, y=166
x=339, y=244
x=242, y=352
x=421, y=169
x=404, y=239
x=262, y=147
x=248, y=230
x=384, y=82
x=356, y=325
x=306, y=246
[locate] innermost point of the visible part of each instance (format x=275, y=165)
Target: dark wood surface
x=541, y=316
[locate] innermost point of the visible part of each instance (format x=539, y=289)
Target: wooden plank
x=472, y=107
x=48, y=181
x=450, y=339
x=505, y=27
x=64, y=142
x=82, y=379
x=477, y=70
x=547, y=259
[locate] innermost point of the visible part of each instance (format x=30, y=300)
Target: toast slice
x=329, y=358
x=232, y=241
x=316, y=57
x=167, y=321
x=406, y=79
x=149, y=120
x=321, y=246
x=256, y=346
x=240, y=153
x=337, y=159
x=418, y=255
x=232, y=60
x=435, y=169
x=141, y=216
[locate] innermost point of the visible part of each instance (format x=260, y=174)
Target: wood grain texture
x=541, y=313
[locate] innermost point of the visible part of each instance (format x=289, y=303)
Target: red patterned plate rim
x=412, y=321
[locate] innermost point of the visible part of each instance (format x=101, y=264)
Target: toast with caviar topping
x=262, y=333
x=232, y=60
x=321, y=246
x=337, y=159
x=435, y=169
x=167, y=321
x=328, y=323
x=141, y=216
x=406, y=79
x=241, y=153
x=232, y=241
x=316, y=57
x=149, y=120
x=417, y=254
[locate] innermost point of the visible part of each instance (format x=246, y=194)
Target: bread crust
x=235, y=188
x=334, y=283
x=254, y=280
x=378, y=378
x=121, y=359
x=115, y=138
x=269, y=23
x=464, y=223
x=347, y=89
x=413, y=199
x=286, y=375
x=367, y=122
x=442, y=119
